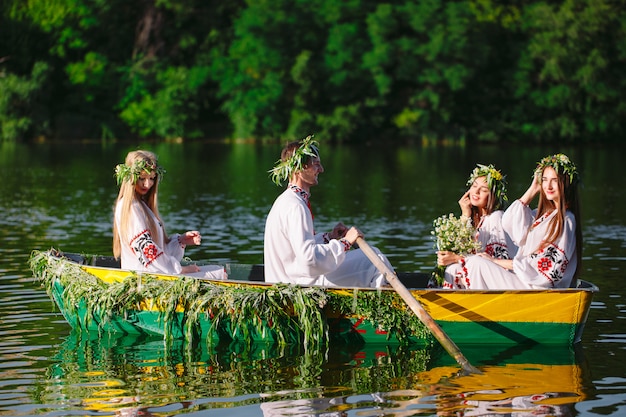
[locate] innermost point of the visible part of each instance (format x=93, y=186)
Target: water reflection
x=110, y=373
x=144, y=376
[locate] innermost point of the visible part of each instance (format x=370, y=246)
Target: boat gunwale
x=583, y=285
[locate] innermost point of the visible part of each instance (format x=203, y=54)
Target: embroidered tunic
x=492, y=237
x=554, y=265
x=143, y=252
x=294, y=253
x=493, y=241
x=550, y=267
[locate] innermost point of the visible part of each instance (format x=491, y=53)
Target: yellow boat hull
x=554, y=317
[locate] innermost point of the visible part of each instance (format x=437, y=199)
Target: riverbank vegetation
x=357, y=70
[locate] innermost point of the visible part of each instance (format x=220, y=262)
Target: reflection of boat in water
x=117, y=374
x=93, y=293
x=518, y=381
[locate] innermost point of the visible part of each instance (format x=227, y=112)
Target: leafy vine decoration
x=290, y=312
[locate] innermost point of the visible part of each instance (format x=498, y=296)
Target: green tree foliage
x=18, y=101
x=255, y=72
x=344, y=70
x=128, y=67
x=568, y=79
x=167, y=111
x=423, y=55
x=167, y=91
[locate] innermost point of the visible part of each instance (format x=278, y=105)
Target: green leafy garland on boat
x=241, y=309
x=385, y=309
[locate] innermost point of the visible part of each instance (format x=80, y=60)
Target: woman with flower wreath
x=483, y=204
x=139, y=237
x=549, y=237
x=293, y=252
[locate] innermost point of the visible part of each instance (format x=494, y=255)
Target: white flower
x=455, y=235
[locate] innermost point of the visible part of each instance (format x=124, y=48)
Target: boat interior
x=238, y=272
x=255, y=272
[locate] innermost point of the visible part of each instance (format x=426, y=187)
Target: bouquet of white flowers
x=454, y=235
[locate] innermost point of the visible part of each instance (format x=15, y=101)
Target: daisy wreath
x=561, y=164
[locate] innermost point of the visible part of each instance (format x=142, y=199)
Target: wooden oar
x=417, y=308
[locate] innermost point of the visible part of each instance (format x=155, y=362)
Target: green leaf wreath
x=283, y=170
x=124, y=172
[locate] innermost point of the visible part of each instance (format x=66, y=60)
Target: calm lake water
x=61, y=196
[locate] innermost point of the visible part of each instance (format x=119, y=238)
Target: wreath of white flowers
x=561, y=164
x=283, y=170
x=124, y=172
x=495, y=181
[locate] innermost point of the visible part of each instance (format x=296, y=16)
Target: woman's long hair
x=128, y=195
x=568, y=200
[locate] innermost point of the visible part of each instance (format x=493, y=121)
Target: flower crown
x=283, y=170
x=124, y=172
x=495, y=181
x=561, y=164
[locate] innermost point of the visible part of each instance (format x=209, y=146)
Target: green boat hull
x=485, y=317
x=149, y=323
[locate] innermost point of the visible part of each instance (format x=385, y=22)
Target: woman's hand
x=466, y=205
x=188, y=269
x=504, y=263
x=445, y=258
x=192, y=238
x=531, y=192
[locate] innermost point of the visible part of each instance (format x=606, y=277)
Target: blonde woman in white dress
x=139, y=237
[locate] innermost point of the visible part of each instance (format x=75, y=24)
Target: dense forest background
x=346, y=70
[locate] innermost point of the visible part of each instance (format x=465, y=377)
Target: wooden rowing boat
x=94, y=294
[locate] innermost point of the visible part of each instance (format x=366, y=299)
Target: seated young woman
x=483, y=204
x=549, y=237
x=139, y=236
